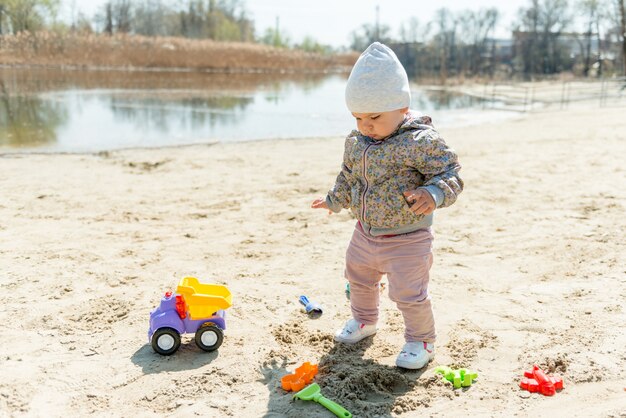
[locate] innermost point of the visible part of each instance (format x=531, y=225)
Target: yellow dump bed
x=202, y=299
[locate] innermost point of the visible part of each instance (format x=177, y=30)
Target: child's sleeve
x=440, y=167
x=339, y=196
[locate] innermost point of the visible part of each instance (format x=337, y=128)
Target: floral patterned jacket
x=375, y=174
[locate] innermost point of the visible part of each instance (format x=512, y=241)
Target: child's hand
x=422, y=201
x=320, y=203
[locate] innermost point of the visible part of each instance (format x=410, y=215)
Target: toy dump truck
x=195, y=308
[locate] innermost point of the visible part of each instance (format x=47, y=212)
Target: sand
x=529, y=268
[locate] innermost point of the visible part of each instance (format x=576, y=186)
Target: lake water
x=90, y=111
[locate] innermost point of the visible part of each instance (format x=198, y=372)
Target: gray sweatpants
x=406, y=260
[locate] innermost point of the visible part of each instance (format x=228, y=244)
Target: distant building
x=567, y=51
x=574, y=42
x=577, y=42
x=420, y=59
x=502, y=48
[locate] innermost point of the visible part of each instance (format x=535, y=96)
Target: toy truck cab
x=195, y=308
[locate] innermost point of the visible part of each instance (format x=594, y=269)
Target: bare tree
x=108, y=18
x=275, y=36
x=475, y=28
x=73, y=11
x=591, y=8
x=122, y=15
x=622, y=12
x=27, y=15
x=538, y=48
x=445, y=41
x=83, y=24
x=412, y=31
x=2, y=17
x=467, y=24
x=246, y=26
x=368, y=33
x=151, y=18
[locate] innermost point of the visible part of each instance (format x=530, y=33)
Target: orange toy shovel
x=312, y=393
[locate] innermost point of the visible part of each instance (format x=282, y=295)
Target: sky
x=330, y=22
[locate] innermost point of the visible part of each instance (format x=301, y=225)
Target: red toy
x=537, y=381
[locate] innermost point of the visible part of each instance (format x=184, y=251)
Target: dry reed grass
x=132, y=51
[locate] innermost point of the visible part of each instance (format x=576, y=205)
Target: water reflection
x=53, y=110
x=109, y=110
x=39, y=80
x=161, y=112
x=444, y=99
x=28, y=121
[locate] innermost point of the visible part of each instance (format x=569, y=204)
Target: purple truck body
x=166, y=316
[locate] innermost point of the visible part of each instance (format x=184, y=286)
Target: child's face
x=379, y=125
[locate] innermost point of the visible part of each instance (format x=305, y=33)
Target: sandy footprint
x=465, y=340
x=100, y=314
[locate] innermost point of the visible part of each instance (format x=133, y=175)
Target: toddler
x=396, y=170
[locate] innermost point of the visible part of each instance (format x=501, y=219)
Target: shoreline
x=486, y=119
x=251, y=71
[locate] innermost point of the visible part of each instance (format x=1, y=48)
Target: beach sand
x=529, y=268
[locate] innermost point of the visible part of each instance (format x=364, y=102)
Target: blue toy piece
x=310, y=306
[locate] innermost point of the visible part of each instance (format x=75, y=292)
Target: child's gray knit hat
x=378, y=82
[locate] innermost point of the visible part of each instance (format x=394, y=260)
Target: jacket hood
x=414, y=120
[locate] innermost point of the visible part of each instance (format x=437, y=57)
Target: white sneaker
x=354, y=331
x=415, y=355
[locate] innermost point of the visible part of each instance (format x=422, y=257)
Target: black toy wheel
x=165, y=341
x=209, y=337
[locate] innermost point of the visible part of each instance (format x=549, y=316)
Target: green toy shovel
x=312, y=393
